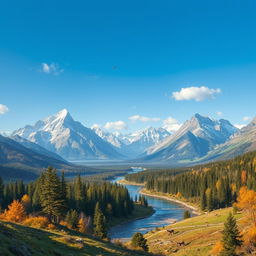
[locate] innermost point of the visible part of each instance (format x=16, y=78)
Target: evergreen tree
x=203, y=200
x=231, y=238
x=78, y=193
x=72, y=219
x=139, y=241
x=100, y=228
x=186, y=215
x=51, y=199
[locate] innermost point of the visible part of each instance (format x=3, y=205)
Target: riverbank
x=139, y=212
x=126, y=182
x=194, y=208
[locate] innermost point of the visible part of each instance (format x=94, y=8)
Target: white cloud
x=240, y=126
x=118, y=125
x=195, y=93
x=3, y=109
x=136, y=118
x=219, y=113
x=246, y=118
x=171, y=124
x=52, y=68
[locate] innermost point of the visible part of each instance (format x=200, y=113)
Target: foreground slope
x=194, y=236
x=24, y=241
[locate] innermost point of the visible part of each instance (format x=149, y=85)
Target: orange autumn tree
x=82, y=225
x=217, y=248
x=25, y=200
x=246, y=201
x=16, y=212
x=243, y=177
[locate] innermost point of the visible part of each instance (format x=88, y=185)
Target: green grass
x=17, y=239
x=199, y=235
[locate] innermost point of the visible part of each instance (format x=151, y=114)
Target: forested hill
x=213, y=185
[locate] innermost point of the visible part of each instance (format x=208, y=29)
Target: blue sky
x=106, y=61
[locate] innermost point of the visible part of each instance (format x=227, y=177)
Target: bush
x=36, y=222
x=51, y=226
x=138, y=241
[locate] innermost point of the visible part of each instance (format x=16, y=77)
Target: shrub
x=36, y=222
x=51, y=226
x=138, y=241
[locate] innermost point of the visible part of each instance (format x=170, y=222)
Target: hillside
x=18, y=240
x=194, y=236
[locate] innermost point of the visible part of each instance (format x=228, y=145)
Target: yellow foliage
x=233, y=188
x=217, y=248
x=51, y=226
x=36, y=222
x=249, y=236
x=16, y=212
x=246, y=201
x=82, y=225
x=25, y=200
x=218, y=185
x=179, y=195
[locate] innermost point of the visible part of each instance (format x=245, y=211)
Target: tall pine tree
x=100, y=225
x=231, y=238
x=51, y=200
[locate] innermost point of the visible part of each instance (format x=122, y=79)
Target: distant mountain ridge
x=13, y=153
x=68, y=138
x=242, y=142
x=135, y=143
x=195, y=138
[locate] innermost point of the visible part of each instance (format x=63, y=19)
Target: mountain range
x=200, y=139
x=68, y=138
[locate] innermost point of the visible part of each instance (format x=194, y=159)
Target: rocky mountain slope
x=68, y=138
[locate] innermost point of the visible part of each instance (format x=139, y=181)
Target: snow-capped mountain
x=194, y=139
x=68, y=138
x=140, y=141
x=109, y=137
x=242, y=142
x=136, y=143
x=35, y=147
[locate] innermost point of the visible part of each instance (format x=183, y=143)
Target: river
x=166, y=212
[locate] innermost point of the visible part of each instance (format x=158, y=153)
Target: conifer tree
x=231, y=238
x=51, y=196
x=100, y=229
x=72, y=219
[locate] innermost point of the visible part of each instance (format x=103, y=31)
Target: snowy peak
x=206, y=133
x=60, y=134
x=109, y=137
x=150, y=134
